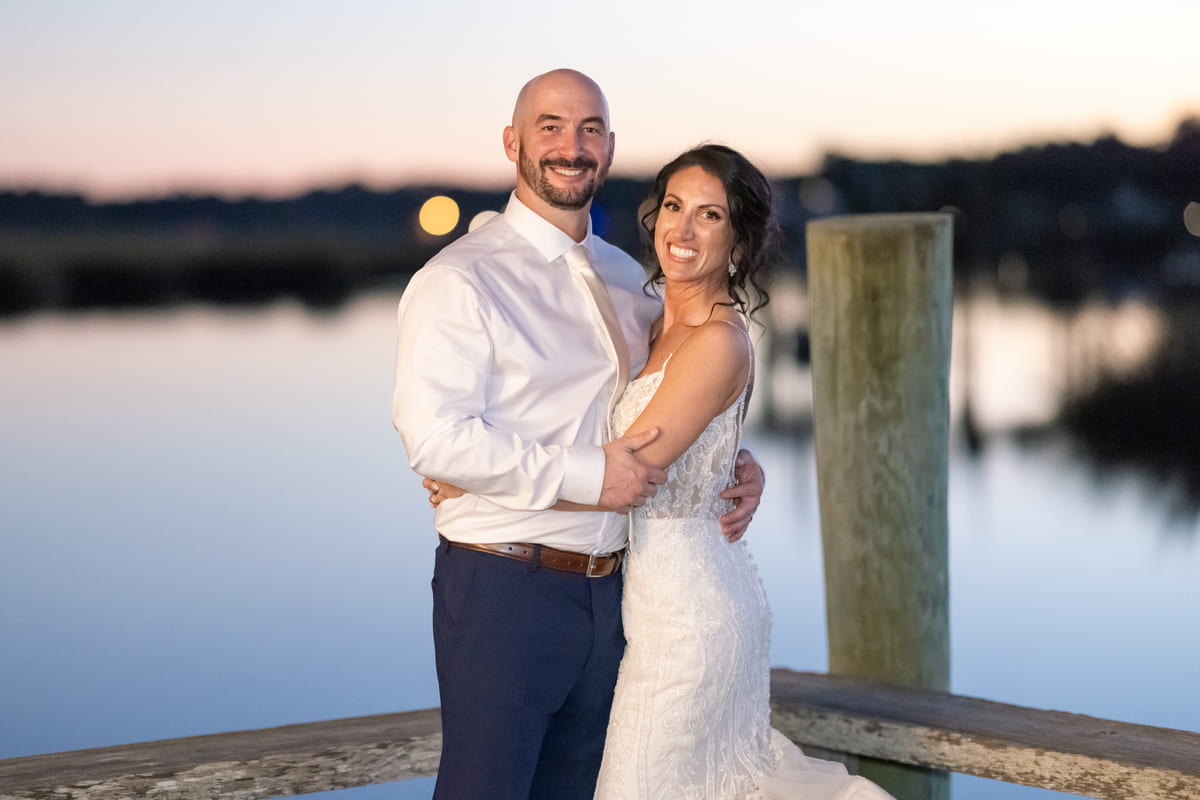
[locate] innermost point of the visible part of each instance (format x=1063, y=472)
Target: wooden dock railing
x=1047, y=749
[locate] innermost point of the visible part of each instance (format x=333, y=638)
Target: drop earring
x=732, y=269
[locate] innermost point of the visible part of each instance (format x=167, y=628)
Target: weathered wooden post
x=880, y=291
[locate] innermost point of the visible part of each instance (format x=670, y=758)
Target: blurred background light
x=480, y=218
x=439, y=215
x=1191, y=218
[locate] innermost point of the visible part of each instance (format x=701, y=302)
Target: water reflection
x=1146, y=417
x=1119, y=379
x=210, y=526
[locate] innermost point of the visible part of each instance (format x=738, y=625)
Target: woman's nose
x=684, y=227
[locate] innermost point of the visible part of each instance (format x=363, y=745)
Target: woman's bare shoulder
x=719, y=348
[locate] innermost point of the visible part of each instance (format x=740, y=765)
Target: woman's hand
x=440, y=490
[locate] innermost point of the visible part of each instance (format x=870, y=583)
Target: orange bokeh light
x=439, y=215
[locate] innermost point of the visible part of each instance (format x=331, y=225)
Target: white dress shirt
x=503, y=379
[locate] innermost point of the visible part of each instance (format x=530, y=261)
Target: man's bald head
x=561, y=143
x=542, y=88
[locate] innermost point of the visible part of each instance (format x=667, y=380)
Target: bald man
x=505, y=370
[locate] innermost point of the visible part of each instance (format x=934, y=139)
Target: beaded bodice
x=696, y=479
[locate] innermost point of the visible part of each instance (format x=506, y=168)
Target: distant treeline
x=1061, y=221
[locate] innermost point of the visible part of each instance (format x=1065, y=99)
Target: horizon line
x=288, y=189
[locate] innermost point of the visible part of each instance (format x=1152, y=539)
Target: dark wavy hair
x=756, y=233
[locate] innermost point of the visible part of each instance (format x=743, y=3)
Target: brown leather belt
x=593, y=565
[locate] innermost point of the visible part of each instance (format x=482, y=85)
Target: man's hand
x=627, y=481
x=440, y=490
x=746, y=494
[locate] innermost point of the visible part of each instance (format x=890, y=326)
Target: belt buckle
x=591, y=565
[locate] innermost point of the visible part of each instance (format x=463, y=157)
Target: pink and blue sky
x=120, y=98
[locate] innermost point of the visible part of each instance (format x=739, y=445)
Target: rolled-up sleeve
x=445, y=359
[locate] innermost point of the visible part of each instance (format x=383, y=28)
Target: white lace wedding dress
x=690, y=718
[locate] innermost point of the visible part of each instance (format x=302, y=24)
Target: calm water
x=208, y=525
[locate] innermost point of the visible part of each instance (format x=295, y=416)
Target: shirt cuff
x=583, y=478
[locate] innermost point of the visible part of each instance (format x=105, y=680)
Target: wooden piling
x=880, y=292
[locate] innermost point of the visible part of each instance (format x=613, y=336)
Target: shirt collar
x=549, y=240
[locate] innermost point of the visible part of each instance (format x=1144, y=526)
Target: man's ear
x=512, y=144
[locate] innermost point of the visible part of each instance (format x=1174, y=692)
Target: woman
x=690, y=717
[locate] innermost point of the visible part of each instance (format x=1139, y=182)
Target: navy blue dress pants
x=527, y=660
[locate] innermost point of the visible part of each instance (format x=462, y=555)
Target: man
x=507, y=362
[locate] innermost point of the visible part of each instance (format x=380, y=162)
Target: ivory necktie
x=577, y=259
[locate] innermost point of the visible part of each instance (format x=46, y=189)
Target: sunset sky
x=120, y=98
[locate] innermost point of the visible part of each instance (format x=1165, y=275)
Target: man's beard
x=535, y=176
